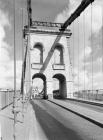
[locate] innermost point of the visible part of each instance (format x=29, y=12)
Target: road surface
x=60, y=124
x=83, y=104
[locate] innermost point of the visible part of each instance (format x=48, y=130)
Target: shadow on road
x=52, y=128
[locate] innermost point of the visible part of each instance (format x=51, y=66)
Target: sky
x=86, y=44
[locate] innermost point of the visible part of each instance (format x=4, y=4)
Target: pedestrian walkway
x=27, y=127
x=89, y=114
x=93, y=102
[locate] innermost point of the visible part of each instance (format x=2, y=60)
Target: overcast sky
x=57, y=11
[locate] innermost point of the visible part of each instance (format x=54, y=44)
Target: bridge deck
x=87, y=113
x=44, y=120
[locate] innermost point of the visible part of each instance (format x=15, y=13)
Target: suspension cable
x=78, y=54
x=14, y=98
x=28, y=45
x=102, y=43
x=84, y=45
x=102, y=39
x=92, y=47
x=70, y=69
x=22, y=66
x=73, y=57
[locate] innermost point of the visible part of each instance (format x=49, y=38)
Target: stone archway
x=62, y=91
x=43, y=77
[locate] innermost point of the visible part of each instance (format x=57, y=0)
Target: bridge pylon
x=49, y=58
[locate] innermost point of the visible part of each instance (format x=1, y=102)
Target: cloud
x=6, y=64
x=83, y=70
x=80, y=78
x=96, y=10
x=72, y=5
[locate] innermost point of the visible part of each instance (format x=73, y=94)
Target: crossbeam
x=46, y=24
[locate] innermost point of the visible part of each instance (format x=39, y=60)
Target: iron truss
x=46, y=24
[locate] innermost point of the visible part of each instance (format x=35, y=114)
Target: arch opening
x=39, y=86
x=60, y=87
x=38, y=53
x=58, y=54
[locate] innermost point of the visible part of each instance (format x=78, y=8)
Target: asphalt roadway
x=60, y=124
x=86, y=105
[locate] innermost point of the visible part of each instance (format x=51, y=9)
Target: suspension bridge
x=58, y=99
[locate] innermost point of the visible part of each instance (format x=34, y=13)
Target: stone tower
x=52, y=61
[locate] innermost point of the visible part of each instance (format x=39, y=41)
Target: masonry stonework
x=48, y=68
